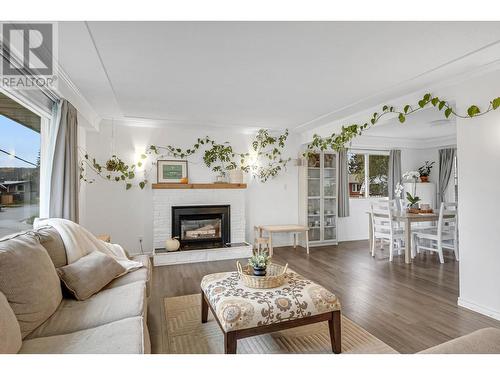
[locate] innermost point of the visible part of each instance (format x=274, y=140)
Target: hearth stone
x=161, y=257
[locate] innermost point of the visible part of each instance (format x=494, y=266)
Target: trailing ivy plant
x=113, y=169
x=270, y=149
x=337, y=142
x=266, y=160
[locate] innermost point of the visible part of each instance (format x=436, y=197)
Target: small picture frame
x=172, y=171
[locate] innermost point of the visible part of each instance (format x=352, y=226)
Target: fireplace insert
x=201, y=227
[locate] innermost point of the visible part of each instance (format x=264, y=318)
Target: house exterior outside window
x=368, y=173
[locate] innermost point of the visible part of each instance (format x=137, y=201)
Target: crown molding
x=184, y=125
x=69, y=91
x=378, y=142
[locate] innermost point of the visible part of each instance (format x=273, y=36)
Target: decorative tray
x=275, y=276
x=420, y=211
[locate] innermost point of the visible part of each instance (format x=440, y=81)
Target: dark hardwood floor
x=409, y=307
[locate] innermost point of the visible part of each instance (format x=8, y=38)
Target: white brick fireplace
x=164, y=199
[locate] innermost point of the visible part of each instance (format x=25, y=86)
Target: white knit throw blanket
x=79, y=242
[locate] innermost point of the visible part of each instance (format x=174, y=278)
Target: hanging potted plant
x=425, y=170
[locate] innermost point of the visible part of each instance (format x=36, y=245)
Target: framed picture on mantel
x=172, y=171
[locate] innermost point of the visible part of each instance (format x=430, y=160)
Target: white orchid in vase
x=399, y=189
x=410, y=176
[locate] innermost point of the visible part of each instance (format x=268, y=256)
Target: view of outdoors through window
x=368, y=175
x=19, y=166
x=378, y=166
x=356, y=166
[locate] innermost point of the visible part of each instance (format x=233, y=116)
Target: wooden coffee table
x=243, y=312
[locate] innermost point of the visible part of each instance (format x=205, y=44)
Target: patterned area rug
x=186, y=335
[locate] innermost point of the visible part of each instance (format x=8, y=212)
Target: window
x=19, y=166
x=368, y=173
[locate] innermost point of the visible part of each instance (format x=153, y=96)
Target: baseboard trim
x=478, y=308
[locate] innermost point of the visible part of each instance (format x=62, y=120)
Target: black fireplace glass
x=201, y=227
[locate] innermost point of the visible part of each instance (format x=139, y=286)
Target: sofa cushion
x=29, y=280
x=483, y=341
x=126, y=336
x=107, y=306
x=52, y=242
x=89, y=274
x=10, y=332
x=141, y=274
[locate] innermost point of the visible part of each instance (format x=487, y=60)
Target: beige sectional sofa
x=37, y=315
x=482, y=341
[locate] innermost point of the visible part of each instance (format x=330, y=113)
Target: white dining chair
x=384, y=227
x=442, y=236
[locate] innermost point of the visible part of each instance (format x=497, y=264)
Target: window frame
x=366, y=155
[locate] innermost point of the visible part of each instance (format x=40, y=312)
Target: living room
x=207, y=185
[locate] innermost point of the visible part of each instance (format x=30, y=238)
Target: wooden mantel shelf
x=199, y=186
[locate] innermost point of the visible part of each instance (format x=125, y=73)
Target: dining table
x=407, y=218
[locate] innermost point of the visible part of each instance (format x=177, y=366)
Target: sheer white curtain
x=49, y=134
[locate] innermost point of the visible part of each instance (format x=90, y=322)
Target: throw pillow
x=89, y=274
x=29, y=280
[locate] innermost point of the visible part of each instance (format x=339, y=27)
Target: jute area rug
x=187, y=335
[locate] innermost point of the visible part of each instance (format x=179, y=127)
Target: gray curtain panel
x=394, y=171
x=65, y=175
x=343, y=198
x=446, y=156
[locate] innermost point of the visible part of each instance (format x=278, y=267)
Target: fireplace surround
x=202, y=227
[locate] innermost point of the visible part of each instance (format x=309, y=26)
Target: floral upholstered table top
x=238, y=306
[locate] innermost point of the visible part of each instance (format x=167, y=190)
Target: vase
x=236, y=176
x=172, y=244
x=219, y=179
x=424, y=178
x=259, y=271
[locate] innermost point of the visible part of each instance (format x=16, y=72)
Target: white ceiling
x=258, y=74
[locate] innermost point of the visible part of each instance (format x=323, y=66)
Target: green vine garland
x=337, y=142
x=266, y=160
x=221, y=157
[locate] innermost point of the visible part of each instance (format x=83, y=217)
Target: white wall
x=412, y=159
x=355, y=226
x=478, y=144
x=127, y=215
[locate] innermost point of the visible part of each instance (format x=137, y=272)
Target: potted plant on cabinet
x=259, y=263
x=425, y=171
